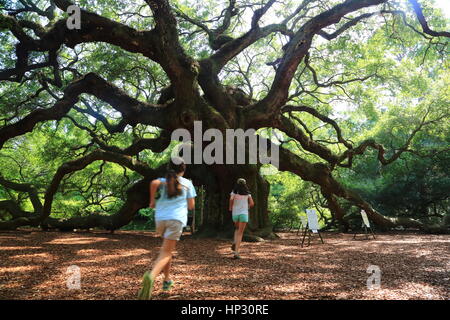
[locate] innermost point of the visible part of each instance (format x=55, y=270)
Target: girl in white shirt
x=240, y=201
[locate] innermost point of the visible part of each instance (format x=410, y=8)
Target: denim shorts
x=169, y=229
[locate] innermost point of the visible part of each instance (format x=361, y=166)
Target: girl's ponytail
x=172, y=183
x=173, y=186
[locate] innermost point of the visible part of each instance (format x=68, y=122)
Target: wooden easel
x=311, y=227
x=310, y=233
x=365, y=225
x=304, y=224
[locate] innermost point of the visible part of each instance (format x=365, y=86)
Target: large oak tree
x=169, y=65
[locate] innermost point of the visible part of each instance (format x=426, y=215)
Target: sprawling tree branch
x=95, y=28
x=23, y=187
x=321, y=175
x=29, y=6
x=293, y=131
x=75, y=165
x=81, y=163
x=345, y=27
x=133, y=111
x=19, y=216
x=296, y=50
x=371, y=143
x=423, y=22
x=180, y=68
x=217, y=37
x=232, y=48
x=318, y=115
x=136, y=198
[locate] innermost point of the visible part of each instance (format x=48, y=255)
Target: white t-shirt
x=240, y=204
x=175, y=208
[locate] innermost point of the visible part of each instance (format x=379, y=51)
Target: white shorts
x=169, y=229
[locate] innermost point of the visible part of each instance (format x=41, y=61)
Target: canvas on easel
x=312, y=226
x=365, y=225
x=304, y=224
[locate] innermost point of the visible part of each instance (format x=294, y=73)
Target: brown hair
x=241, y=187
x=173, y=186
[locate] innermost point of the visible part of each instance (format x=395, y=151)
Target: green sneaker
x=167, y=285
x=147, y=286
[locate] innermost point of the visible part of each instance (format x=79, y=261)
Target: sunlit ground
x=34, y=265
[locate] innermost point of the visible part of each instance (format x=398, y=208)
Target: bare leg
x=166, y=270
x=236, y=229
x=238, y=235
x=164, y=258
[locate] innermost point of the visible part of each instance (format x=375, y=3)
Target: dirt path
x=33, y=265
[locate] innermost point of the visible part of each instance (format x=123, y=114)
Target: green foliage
x=288, y=200
x=144, y=220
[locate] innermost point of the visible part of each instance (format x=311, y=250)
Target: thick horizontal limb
x=133, y=111
x=321, y=174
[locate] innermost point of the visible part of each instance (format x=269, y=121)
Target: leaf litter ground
x=34, y=265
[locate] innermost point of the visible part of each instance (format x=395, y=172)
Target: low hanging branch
x=81, y=163
x=321, y=174
x=19, y=216
x=42, y=212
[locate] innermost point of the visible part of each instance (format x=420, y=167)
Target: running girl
x=240, y=201
x=177, y=195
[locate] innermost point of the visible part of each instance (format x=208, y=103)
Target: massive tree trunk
x=218, y=182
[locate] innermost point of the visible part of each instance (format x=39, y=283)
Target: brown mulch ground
x=33, y=265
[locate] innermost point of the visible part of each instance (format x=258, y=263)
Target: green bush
x=144, y=220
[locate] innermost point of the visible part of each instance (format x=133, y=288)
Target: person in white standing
x=240, y=202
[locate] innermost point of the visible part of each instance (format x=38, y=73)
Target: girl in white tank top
x=240, y=202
